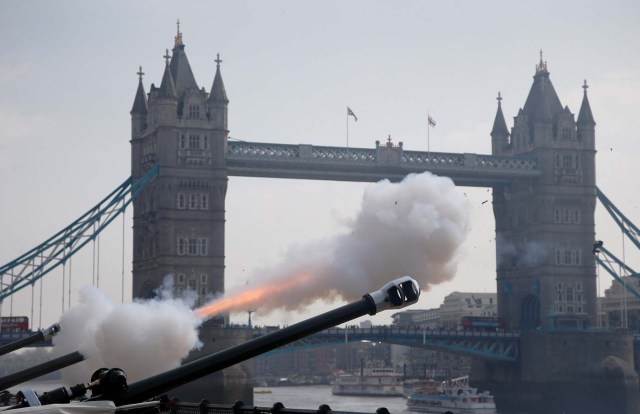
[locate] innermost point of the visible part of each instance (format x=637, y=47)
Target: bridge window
x=193, y=247
x=192, y=201
x=566, y=216
x=194, y=111
x=181, y=278
x=576, y=215
x=576, y=257
x=191, y=283
x=556, y=215
x=579, y=287
x=181, y=247
x=569, y=294
x=204, y=244
x=567, y=257
x=203, y=278
x=183, y=141
x=205, y=142
x=560, y=287
x=566, y=133
x=194, y=142
x=567, y=161
x=182, y=201
x=204, y=202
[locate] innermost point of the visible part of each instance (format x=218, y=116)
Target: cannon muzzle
x=41, y=335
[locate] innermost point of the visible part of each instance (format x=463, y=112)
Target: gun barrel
x=41, y=335
x=19, y=377
x=394, y=295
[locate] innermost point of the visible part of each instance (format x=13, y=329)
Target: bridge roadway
x=495, y=346
x=255, y=159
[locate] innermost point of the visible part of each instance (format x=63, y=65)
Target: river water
x=311, y=397
x=303, y=397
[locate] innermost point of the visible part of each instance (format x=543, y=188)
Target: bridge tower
x=178, y=223
x=545, y=226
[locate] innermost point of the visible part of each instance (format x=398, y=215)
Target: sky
x=290, y=68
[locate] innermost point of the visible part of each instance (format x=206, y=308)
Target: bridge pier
x=565, y=372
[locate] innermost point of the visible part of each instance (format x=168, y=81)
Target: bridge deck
x=253, y=159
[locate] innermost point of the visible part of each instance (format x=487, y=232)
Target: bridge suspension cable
x=608, y=260
x=628, y=228
x=55, y=251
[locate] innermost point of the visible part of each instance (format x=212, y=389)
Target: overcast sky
x=290, y=68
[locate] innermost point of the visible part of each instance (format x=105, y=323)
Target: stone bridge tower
x=178, y=223
x=545, y=226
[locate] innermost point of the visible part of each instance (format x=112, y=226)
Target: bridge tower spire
x=545, y=226
x=499, y=132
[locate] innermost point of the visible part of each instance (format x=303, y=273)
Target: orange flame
x=245, y=298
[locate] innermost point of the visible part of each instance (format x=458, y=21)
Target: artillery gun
x=41, y=335
x=110, y=391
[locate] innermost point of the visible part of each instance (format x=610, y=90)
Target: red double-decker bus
x=14, y=324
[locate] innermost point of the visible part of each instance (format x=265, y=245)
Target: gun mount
x=111, y=384
x=41, y=335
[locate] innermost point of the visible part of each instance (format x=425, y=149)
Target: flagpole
x=347, y=127
x=428, y=131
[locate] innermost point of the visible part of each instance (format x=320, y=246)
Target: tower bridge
x=541, y=171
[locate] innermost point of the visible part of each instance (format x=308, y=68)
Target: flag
x=350, y=112
x=431, y=121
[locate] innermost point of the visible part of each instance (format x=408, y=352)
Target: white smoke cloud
x=410, y=228
x=143, y=338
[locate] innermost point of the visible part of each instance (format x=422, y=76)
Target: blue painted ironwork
x=301, y=161
x=606, y=264
x=495, y=346
x=56, y=250
x=629, y=229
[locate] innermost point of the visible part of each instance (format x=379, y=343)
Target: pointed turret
x=139, y=123
x=218, y=101
x=585, y=116
x=543, y=103
x=500, y=132
x=180, y=68
x=218, y=93
x=140, y=102
x=499, y=124
x=167, y=89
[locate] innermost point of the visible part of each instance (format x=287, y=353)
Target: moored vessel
x=454, y=397
x=379, y=382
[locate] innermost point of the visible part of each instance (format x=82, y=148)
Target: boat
x=426, y=386
x=455, y=396
x=378, y=382
x=261, y=391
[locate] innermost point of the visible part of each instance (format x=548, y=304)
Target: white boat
x=379, y=382
x=454, y=397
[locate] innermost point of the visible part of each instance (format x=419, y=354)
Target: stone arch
x=530, y=312
x=148, y=290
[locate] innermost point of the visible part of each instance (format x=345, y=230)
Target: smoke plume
x=143, y=338
x=412, y=228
